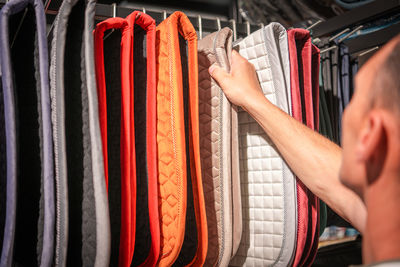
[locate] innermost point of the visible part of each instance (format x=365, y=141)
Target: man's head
x=371, y=121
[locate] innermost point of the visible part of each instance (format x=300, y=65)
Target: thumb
x=218, y=74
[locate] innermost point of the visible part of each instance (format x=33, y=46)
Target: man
x=361, y=181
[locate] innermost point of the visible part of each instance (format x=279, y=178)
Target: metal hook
x=46, y=5
x=200, y=27
x=218, y=24
x=313, y=25
x=19, y=27
x=114, y=10
x=233, y=28
x=350, y=33
x=328, y=49
x=164, y=14
x=144, y=10
x=337, y=35
x=261, y=25
x=114, y=14
x=368, y=51
x=248, y=27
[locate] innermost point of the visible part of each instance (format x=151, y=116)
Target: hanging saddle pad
x=103, y=234
x=113, y=57
x=183, y=221
x=29, y=223
x=300, y=53
x=315, y=205
x=3, y=163
x=82, y=228
x=268, y=186
x=216, y=146
x=147, y=241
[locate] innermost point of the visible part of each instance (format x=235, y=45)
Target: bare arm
x=312, y=157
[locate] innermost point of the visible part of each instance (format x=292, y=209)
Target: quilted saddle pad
x=300, y=53
x=103, y=234
x=3, y=163
x=147, y=241
x=268, y=186
x=316, y=202
x=183, y=224
x=113, y=57
x=216, y=145
x=29, y=223
x=82, y=223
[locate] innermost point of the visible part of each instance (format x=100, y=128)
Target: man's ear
x=371, y=137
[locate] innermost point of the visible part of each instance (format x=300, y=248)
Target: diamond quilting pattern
x=167, y=175
x=210, y=137
x=261, y=170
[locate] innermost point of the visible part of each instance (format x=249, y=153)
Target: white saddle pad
x=267, y=184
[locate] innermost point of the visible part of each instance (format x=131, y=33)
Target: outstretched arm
x=313, y=158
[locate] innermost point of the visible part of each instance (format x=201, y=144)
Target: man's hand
x=241, y=85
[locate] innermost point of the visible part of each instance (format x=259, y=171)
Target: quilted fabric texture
x=268, y=188
x=173, y=163
x=29, y=223
x=83, y=232
x=215, y=113
x=70, y=109
x=102, y=226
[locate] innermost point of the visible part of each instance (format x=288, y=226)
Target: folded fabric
x=216, y=146
x=113, y=57
x=30, y=216
x=3, y=162
x=103, y=235
x=268, y=186
x=181, y=201
x=82, y=228
x=147, y=239
x=300, y=53
x=315, y=204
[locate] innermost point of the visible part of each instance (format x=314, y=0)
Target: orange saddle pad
x=183, y=224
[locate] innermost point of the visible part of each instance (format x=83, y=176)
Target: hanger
x=350, y=33
x=233, y=29
x=248, y=27
x=341, y=39
x=313, y=25
x=200, y=27
x=46, y=5
x=114, y=14
x=144, y=10
x=164, y=14
x=372, y=39
x=19, y=26
x=218, y=24
x=337, y=35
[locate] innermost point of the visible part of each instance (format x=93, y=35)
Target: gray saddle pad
x=29, y=222
x=218, y=146
x=82, y=229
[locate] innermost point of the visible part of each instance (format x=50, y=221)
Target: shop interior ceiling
x=290, y=13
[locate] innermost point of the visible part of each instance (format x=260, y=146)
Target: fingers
x=219, y=75
x=236, y=56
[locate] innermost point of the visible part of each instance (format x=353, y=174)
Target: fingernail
x=211, y=69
